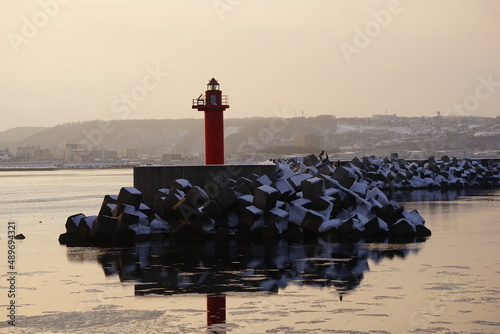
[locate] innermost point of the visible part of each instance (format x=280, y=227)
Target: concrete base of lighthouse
x=148, y=179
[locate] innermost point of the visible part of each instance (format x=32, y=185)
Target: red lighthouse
x=213, y=104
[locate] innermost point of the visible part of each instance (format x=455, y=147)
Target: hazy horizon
x=70, y=61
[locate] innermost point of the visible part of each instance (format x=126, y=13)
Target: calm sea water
x=449, y=283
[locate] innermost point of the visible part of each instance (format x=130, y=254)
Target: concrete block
x=164, y=207
x=277, y=218
x=79, y=236
x=324, y=206
x=284, y=188
x=203, y=224
x=264, y=180
x=350, y=200
x=159, y=197
x=185, y=210
x=312, y=221
x=180, y=184
x=250, y=215
x=351, y=228
x=131, y=196
x=140, y=232
x=400, y=177
x=296, y=181
x=265, y=197
x=394, y=215
x=120, y=207
x=241, y=189
x=384, y=212
x=259, y=181
x=312, y=188
x=409, y=175
x=376, y=227
x=124, y=220
x=422, y=231
x=326, y=169
x=311, y=170
x=73, y=221
x=345, y=177
x=359, y=188
x=74, y=239
x=356, y=162
x=212, y=209
x=402, y=228
x=159, y=225
x=244, y=180
x=197, y=196
x=297, y=214
x=106, y=207
x=375, y=204
x=311, y=160
x=304, y=202
x=102, y=230
x=145, y=209
x=226, y=199
x=414, y=217
x=346, y=227
x=331, y=224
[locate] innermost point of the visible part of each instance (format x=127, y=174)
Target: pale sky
x=76, y=60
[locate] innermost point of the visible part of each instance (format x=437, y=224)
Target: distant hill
x=19, y=133
x=160, y=136
x=266, y=134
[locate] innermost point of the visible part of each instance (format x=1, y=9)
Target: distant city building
x=4, y=154
x=171, y=156
x=313, y=141
x=25, y=153
x=43, y=154
x=108, y=155
x=80, y=153
x=131, y=153
x=385, y=116
x=73, y=152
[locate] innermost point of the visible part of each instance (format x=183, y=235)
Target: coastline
x=56, y=168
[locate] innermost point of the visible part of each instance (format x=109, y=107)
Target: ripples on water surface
x=449, y=283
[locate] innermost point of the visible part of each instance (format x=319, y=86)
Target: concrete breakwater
x=307, y=198
x=442, y=173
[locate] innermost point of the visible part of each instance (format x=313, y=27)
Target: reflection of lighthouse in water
x=217, y=267
x=216, y=312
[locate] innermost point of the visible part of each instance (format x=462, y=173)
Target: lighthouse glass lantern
x=213, y=85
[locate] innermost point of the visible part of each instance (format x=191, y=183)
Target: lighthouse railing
x=201, y=101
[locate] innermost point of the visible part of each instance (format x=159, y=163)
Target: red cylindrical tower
x=213, y=104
